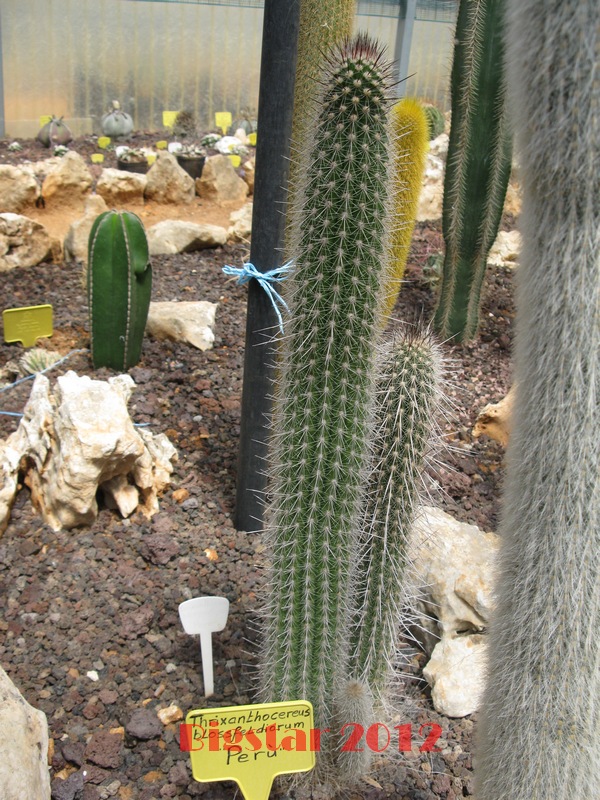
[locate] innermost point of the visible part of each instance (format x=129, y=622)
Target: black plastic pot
x=193, y=166
x=141, y=167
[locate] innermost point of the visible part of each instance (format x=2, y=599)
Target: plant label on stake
x=250, y=745
x=27, y=324
x=169, y=118
x=223, y=120
x=103, y=142
x=204, y=616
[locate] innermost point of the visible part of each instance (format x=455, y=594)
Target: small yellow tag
x=252, y=138
x=162, y=145
x=45, y=119
x=235, y=160
x=97, y=158
x=28, y=324
x=169, y=118
x=250, y=745
x=151, y=158
x=223, y=120
x=103, y=142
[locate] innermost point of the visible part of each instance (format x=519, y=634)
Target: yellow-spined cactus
x=411, y=133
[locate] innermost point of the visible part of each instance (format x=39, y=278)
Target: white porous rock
x=495, y=419
x=79, y=439
x=439, y=146
x=432, y=191
x=69, y=181
x=190, y=322
x=178, y=236
x=23, y=242
x=453, y=564
x=505, y=250
x=18, y=188
x=119, y=187
x=227, y=144
x=248, y=169
x=24, y=746
x=240, y=224
x=167, y=182
x=76, y=240
x=220, y=182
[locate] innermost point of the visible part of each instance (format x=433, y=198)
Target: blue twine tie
x=248, y=271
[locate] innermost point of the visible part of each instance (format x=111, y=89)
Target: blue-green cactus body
x=119, y=289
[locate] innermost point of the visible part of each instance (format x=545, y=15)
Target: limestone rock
x=432, y=192
x=453, y=565
x=23, y=242
x=69, y=181
x=167, y=182
x=18, y=188
x=505, y=250
x=495, y=419
x=76, y=240
x=220, y=182
x=512, y=203
x=78, y=440
x=177, y=236
x=190, y=322
x=240, y=224
x=439, y=146
x=119, y=187
x=248, y=169
x=24, y=746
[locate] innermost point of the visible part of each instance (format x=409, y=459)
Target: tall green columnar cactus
x=324, y=388
x=541, y=716
x=408, y=380
x=477, y=167
x=119, y=288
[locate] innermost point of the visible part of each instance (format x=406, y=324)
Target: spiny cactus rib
x=540, y=715
x=321, y=418
x=409, y=153
x=409, y=373
x=478, y=165
x=119, y=289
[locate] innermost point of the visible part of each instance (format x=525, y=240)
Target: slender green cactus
x=323, y=24
x=325, y=383
x=540, y=716
x=435, y=120
x=408, y=380
x=411, y=143
x=119, y=289
x=477, y=167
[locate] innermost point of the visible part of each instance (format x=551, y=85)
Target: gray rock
x=144, y=724
x=105, y=750
x=18, y=188
x=24, y=746
x=176, y=236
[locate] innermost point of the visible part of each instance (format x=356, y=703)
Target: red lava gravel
x=91, y=633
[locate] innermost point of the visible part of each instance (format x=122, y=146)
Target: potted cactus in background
x=116, y=123
x=131, y=159
x=119, y=289
x=191, y=158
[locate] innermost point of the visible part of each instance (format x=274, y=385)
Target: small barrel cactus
x=55, y=132
x=117, y=123
x=119, y=288
x=435, y=120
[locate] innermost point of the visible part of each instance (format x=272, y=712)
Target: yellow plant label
x=250, y=745
x=235, y=160
x=252, y=138
x=28, y=324
x=169, y=118
x=45, y=119
x=162, y=145
x=103, y=142
x=97, y=158
x=223, y=120
x=151, y=158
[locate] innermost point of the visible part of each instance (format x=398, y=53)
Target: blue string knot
x=266, y=279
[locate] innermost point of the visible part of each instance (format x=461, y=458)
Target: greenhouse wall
x=71, y=58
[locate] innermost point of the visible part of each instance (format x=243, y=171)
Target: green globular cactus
x=435, y=120
x=477, y=167
x=540, y=716
x=409, y=153
x=119, y=289
x=323, y=393
x=406, y=404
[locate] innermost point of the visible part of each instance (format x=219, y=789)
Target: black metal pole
x=275, y=106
